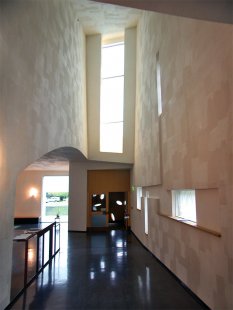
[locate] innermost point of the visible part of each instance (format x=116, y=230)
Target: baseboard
x=26, y=220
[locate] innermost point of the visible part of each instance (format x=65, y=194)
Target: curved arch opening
x=42, y=188
x=42, y=194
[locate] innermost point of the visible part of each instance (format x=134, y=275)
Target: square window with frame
x=184, y=204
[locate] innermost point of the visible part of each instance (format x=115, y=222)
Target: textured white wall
x=194, y=140
x=42, y=98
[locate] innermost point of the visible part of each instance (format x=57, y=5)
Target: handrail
x=53, y=229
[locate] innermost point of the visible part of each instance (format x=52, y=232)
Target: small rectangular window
x=158, y=79
x=146, y=213
x=184, y=204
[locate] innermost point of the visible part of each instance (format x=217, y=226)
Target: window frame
x=139, y=198
x=178, y=211
x=104, y=146
x=158, y=85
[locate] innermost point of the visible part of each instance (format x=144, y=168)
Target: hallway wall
x=26, y=206
x=188, y=146
x=78, y=190
x=42, y=98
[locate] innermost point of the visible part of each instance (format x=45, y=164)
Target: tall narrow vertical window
x=112, y=98
x=158, y=79
x=139, y=197
x=146, y=213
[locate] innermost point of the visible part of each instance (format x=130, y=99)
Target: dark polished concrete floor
x=105, y=271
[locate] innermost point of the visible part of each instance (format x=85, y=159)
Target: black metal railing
x=46, y=249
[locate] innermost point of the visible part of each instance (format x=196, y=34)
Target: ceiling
x=210, y=10
x=98, y=17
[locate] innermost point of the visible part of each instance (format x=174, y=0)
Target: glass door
x=117, y=209
x=55, y=201
x=108, y=210
x=98, y=210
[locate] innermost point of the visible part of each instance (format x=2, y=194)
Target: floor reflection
x=105, y=271
x=18, y=257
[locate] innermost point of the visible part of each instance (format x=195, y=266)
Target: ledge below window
x=192, y=224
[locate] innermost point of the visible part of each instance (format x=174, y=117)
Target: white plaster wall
x=93, y=98
x=42, y=98
x=78, y=190
x=193, y=138
x=93, y=65
x=130, y=92
x=77, y=197
x=147, y=136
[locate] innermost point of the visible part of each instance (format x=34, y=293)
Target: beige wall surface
x=189, y=146
x=42, y=98
x=26, y=206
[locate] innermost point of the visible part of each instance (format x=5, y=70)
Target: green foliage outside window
x=61, y=195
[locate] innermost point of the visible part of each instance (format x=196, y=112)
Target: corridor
x=105, y=271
